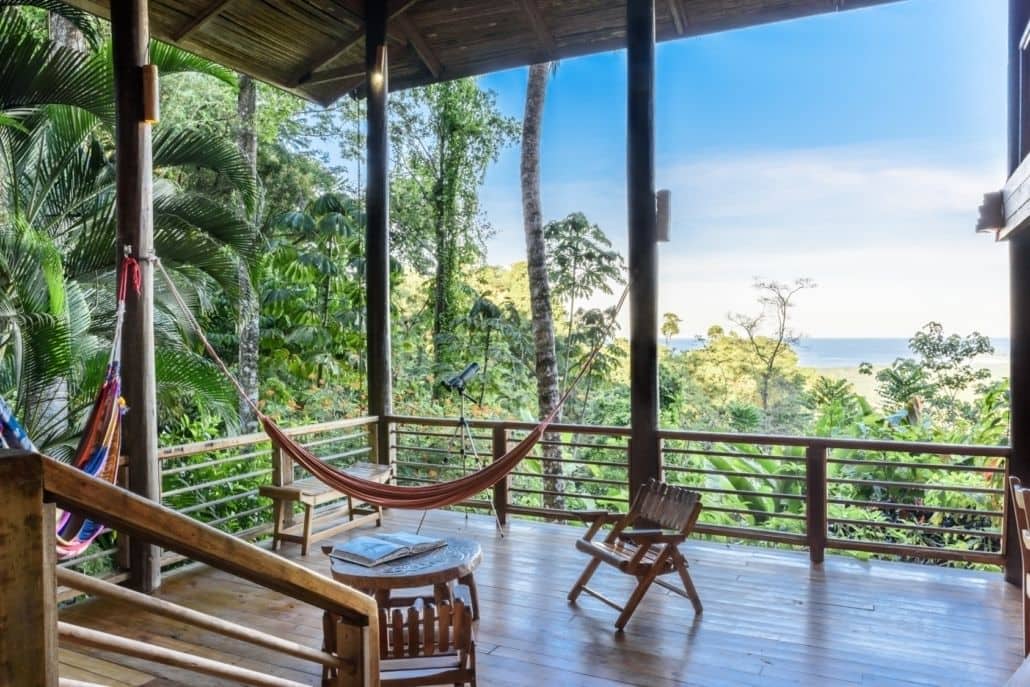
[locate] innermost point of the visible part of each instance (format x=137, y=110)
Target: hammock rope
x=392, y=495
x=99, y=447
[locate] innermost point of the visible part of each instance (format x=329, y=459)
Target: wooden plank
x=83, y=636
x=769, y=619
x=679, y=16
x=140, y=518
x=1016, y=201
x=543, y=34
x=28, y=603
x=201, y=19
x=130, y=36
x=418, y=42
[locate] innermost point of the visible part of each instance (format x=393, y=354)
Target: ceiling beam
x=307, y=71
x=198, y=22
x=354, y=70
x=679, y=16
x=422, y=49
x=543, y=35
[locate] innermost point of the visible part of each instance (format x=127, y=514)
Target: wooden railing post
x=28, y=595
x=815, y=500
x=500, y=447
x=282, y=476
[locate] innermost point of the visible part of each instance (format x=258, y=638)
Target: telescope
x=458, y=381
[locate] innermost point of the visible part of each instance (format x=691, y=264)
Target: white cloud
x=887, y=233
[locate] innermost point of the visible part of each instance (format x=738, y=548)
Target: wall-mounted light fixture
x=663, y=209
x=377, y=79
x=151, y=94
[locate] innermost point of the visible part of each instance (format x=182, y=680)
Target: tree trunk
x=65, y=34
x=248, y=318
x=539, y=285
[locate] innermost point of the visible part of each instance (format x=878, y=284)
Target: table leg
x=382, y=597
x=441, y=593
x=470, y=582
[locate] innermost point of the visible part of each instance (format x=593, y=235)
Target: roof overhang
x=315, y=48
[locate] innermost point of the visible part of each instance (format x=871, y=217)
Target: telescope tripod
x=463, y=433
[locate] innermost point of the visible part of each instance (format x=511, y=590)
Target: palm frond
x=85, y=22
x=173, y=60
x=35, y=73
x=191, y=148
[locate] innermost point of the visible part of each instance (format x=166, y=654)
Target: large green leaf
x=191, y=148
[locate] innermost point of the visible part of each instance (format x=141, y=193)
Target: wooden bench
x=311, y=493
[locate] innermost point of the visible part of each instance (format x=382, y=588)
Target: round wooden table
x=439, y=568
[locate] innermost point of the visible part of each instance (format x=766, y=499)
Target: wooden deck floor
x=770, y=619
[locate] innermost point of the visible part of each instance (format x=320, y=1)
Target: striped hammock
x=99, y=448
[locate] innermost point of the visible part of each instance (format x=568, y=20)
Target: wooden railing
x=31, y=485
x=909, y=499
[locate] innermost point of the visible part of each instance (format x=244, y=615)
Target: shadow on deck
x=770, y=619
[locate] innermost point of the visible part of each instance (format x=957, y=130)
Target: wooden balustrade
x=30, y=485
x=813, y=472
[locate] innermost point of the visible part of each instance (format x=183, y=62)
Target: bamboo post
x=130, y=36
x=500, y=447
x=28, y=595
x=815, y=501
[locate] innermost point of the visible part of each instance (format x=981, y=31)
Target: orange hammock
x=392, y=495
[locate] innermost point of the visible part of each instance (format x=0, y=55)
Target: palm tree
x=539, y=285
x=58, y=234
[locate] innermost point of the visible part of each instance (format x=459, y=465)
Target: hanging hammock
x=99, y=448
x=392, y=495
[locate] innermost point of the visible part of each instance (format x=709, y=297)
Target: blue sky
x=850, y=148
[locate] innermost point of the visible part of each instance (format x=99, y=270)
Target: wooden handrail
x=184, y=450
x=95, y=587
x=138, y=517
x=106, y=641
x=727, y=437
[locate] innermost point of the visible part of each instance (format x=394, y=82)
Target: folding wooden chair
x=1021, y=507
x=643, y=553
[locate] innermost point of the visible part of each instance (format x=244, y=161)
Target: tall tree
x=445, y=136
x=539, y=283
x=66, y=34
x=776, y=299
x=248, y=317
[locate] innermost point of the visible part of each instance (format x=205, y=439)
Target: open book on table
x=382, y=548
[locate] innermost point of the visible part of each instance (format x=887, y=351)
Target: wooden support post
x=1019, y=285
x=28, y=598
x=282, y=476
x=130, y=35
x=815, y=501
x=643, y=249
x=500, y=447
x=377, y=244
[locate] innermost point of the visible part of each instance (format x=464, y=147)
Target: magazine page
x=415, y=542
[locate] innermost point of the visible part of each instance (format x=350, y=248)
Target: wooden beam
x=28, y=601
x=130, y=35
x=679, y=16
x=543, y=34
x=645, y=459
x=355, y=71
x=418, y=42
x=321, y=59
x=200, y=20
x=377, y=213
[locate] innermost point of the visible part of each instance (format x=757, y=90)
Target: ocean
x=823, y=353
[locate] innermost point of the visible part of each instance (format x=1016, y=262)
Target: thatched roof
x=315, y=48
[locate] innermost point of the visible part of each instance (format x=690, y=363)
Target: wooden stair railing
x=31, y=485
